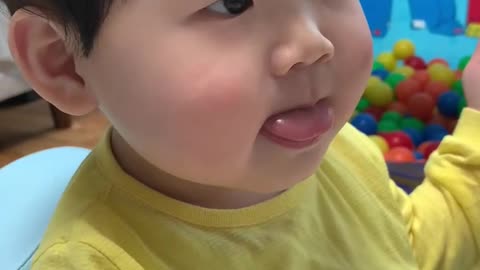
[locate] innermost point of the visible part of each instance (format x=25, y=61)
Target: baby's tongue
x=300, y=124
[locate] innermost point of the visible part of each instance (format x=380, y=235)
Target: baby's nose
x=303, y=45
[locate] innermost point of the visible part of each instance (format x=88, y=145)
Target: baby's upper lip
x=301, y=106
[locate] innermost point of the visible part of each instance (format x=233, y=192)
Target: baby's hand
x=471, y=81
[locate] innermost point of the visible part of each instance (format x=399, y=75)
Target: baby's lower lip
x=299, y=128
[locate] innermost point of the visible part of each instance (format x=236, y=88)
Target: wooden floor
x=28, y=128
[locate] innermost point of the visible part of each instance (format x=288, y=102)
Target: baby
x=229, y=146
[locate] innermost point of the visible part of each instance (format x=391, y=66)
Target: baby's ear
x=47, y=63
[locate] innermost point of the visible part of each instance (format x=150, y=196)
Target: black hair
x=82, y=18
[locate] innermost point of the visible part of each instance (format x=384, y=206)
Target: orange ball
x=422, y=76
x=400, y=155
x=436, y=89
x=438, y=61
x=399, y=107
x=406, y=89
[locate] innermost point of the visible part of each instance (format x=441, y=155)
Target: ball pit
x=409, y=104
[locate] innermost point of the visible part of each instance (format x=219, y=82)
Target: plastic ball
x=421, y=106
x=406, y=89
x=374, y=111
x=365, y=123
x=438, y=61
x=373, y=81
x=427, y=148
x=380, y=73
x=448, y=104
x=400, y=155
x=434, y=132
x=387, y=126
x=462, y=104
x=380, y=142
x=406, y=71
x=363, y=104
x=415, y=135
x=436, y=89
x=394, y=79
x=412, y=123
x=398, y=138
x=377, y=65
x=380, y=95
x=388, y=61
x=457, y=87
x=441, y=73
x=421, y=76
x=464, y=62
x=392, y=116
x=415, y=62
x=398, y=107
x=419, y=156
x=403, y=49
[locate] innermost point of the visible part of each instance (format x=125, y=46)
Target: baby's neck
x=179, y=189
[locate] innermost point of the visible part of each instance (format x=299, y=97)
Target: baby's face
x=196, y=86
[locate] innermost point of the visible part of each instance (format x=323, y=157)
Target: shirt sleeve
x=73, y=256
x=443, y=213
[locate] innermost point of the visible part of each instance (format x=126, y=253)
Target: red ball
x=422, y=76
x=421, y=106
x=376, y=112
x=427, y=148
x=436, y=89
x=400, y=155
x=406, y=89
x=415, y=62
x=398, y=139
x=399, y=107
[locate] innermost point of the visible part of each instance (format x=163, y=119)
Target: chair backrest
x=30, y=189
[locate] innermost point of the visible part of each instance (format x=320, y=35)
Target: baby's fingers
x=471, y=80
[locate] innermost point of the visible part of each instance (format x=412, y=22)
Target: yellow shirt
x=348, y=215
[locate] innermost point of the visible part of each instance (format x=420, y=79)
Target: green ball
x=464, y=62
x=394, y=79
x=386, y=126
x=377, y=65
x=412, y=123
x=457, y=87
x=462, y=104
x=392, y=116
x=362, y=105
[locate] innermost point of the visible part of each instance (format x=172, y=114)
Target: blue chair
x=30, y=189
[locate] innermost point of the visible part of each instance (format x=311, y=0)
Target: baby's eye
x=230, y=7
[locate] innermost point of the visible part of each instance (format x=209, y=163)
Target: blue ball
x=381, y=73
x=434, y=132
x=418, y=155
x=448, y=104
x=365, y=123
x=415, y=135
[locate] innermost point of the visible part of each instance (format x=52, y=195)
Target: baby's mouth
x=299, y=127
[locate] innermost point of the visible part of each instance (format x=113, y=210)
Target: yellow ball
x=405, y=71
x=373, y=81
x=403, y=49
x=381, y=143
x=388, y=61
x=379, y=95
x=441, y=73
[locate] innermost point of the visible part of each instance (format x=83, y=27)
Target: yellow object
x=380, y=142
x=473, y=30
x=403, y=49
x=388, y=61
x=441, y=73
x=348, y=215
x=380, y=94
x=405, y=71
x=373, y=81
